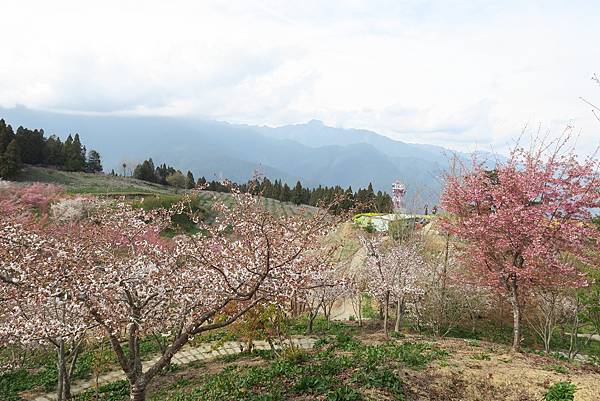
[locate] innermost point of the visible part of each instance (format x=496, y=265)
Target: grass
x=321, y=326
x=41, y=374
x=367, y=310
x=45, y=378
x=87, y=183
x=491, y=332
x=482, y=356
x=116, y=391
x=557, y=368
x=340, y=368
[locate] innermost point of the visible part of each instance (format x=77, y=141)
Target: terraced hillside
x=103, y=184
x=78, y=182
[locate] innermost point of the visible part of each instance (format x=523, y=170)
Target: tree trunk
x=398, y=315
x=516, y=309
x=311, y=319
x=66, y=383
x=443, y=319
x=574, y=340
x=65, y=369
x=386, y=312
x=60, y=351
x=360, y=322
x=138, y=392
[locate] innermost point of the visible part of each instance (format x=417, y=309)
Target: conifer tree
x=74, y=154
x=31, y=144
x=55, y=152
x=190, y=183
x=10, y=161
x=6, y=136
x=296, y=196
x=147, y=172
x=286, y=193
x=94, y=162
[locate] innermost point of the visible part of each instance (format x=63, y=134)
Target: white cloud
x=465, y=74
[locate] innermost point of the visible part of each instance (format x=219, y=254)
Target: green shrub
x=343, y=394
x=400, y=229
x=481, y=357
x=557, y=368
x=561, y=391
x=367, y=310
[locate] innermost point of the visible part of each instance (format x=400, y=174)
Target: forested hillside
x=26, y=146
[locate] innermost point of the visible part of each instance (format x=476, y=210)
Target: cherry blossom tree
x=114, y=270
x=320, y=291
x=192, y=284
x=357, y=287
x=393, y=272
x=519, y=220
x=36, y=309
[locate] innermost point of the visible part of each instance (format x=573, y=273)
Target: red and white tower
x=398, y=192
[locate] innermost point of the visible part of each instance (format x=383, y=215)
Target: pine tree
x=32, y=145
x=276, y=192
x=6, y=136
x=10, y=161
x=286, y=193
x=147, y=172
x=74, y=154
x=55, y=152
x=94, y=162
x=296, y=196
x=190, y=183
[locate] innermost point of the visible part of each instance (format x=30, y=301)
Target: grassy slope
x=92, y=183
x=101, y=184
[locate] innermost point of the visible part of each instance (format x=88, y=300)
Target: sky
x=469, y=75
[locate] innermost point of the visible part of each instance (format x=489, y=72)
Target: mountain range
x=312, y=152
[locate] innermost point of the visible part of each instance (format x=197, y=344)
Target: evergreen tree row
x=27, y=146
x=363, y=200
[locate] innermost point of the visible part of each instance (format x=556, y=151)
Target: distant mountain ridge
x=313, y=152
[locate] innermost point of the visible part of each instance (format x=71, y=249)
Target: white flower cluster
x=71, y=209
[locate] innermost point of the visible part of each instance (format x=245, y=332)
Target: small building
x=381, y=222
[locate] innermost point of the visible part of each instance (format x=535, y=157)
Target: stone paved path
x=595, y=337
x=184, y=356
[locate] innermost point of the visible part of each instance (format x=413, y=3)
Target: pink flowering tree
x=113, y=272
x=132, y=281
x=524, y=223
x=36, y=310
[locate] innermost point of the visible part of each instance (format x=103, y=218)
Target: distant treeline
x=363, y=200
x=27, y=146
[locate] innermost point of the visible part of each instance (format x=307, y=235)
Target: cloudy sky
x=464, y=74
